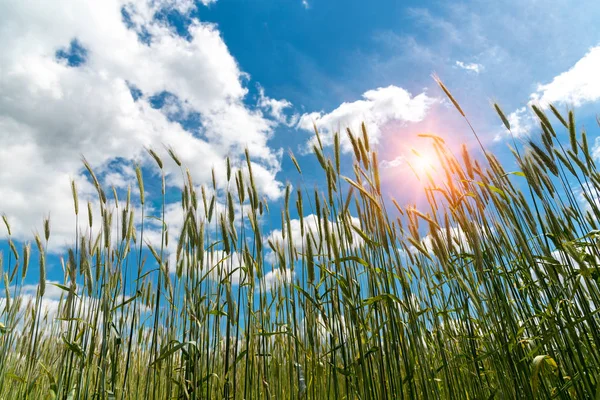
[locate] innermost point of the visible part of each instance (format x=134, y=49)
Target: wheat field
x=489, y=292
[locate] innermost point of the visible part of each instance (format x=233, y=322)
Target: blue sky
x=209, y=78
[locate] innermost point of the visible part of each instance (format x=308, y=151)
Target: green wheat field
x=490, y=292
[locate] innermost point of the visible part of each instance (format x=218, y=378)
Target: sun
x=422, y=161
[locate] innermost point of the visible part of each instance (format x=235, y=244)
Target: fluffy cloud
x=275, y=278
x=376, y=109
x=311, y=224
x=577, y=86
x=276, y=108
x=79, y=78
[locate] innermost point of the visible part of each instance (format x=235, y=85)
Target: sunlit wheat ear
x=293, y=158
x=558, y=115
x=572, y=132
x=545, y=158
x=47, y=228
x=467, y=160
x=90, y=214
x=91, y=172
x=584, y=145
x=376, y=173
x=543, y=119
x=363, y=127
x=140, y=181
x=363, y=153
x=75, y=198
x=254, y=192
x=354, y=144
x=211, y=208
x=5, y=219
x=563, y=160
x=214, y=179
x=71, y=267
x=106, y=225
x=336, y=151
x=299, y=208
x=318, y=136
x=174, y=156
x=228, y=162
x=230, y=208
x=115, y=196
x=310, y=264
x=320, y=156
x=42, y=261
x=547, y=138
x=502, y=116
x=156, y=157
x=124, y=223
x=448, y=94
x=26, y=257
x=240, y=186
x=6, y=292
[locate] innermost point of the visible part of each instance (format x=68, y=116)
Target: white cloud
x=276, y=278
x=276, y=108
x=457, y=235
x=577, y=86
x=396, y=162
x=222, y=264
x=521, y=122
x=473, y=67
x=51, y=113
x=305, y=4
x=52, y=303
x=376, y=109
x=311, y=224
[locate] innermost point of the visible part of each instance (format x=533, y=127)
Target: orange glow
x=423, y=162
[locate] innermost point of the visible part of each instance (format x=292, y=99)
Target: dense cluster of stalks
x=490, y=292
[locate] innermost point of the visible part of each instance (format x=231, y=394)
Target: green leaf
x=15, y=377
x=218, y=313
x=74, y=347
x=381, y=297
x=168, y=352
x=539, y=364
x=493, y=189
x=364, y=236
x=63, y=287
x=355, y=259
x=129, y=300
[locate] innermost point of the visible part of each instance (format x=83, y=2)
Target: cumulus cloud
x=311, y=224
x=55, y=106
x=377, y=108
x=577, y=86
x=277, y=277
x=472, y=67
x=53, y=306
x=457, y=235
